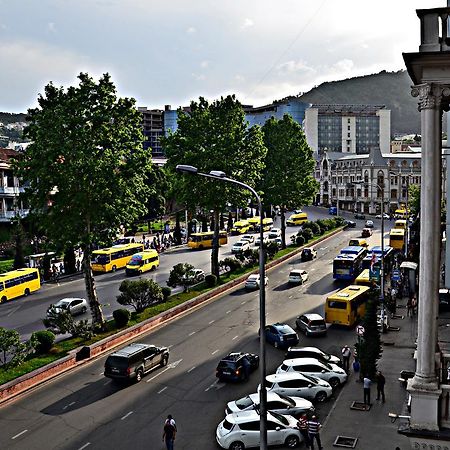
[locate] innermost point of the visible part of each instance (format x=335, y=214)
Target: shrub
x=210, y=280
x=166, y=291
x=315, y=228
x=308, y=234
x=300, y=239
x=272, y=249
x=44, y=341
x=230, y=264
x=339, y=221
x=121, y=317
x=139, y=294
x=62, y=322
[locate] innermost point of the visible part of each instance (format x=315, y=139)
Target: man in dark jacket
x=381, y=381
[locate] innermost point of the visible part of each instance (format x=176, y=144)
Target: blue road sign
x=395, y=275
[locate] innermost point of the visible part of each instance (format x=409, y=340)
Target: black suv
x=134, y=361
x=360, y=216
x=232, y=367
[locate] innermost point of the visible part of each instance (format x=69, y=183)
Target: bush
x=44, y=341
x=139, y=294
x=230, y=264
x=62, y=322
x=300, y=240
x=315, y=228
x=166, y=291
x=308, y=234
x=121, y=317
x=210, y=280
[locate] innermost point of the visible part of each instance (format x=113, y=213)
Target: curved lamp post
x=221, y=176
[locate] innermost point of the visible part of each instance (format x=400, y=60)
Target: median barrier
x=85, y=354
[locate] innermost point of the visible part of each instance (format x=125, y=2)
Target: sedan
x=274, y=232
x=350, y=224
x=253, y=282
x=249, y=238
x=311, y=352
x=281, y=335
x=366, y=232
x=73, y=305
x=385, y=216
x=298, y=276
x=258, y=240
x=240, y=246
x=369, y=223
x=194, y=276
x=360, y=216
x=279, y=403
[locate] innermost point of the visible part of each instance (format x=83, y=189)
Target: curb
x=26, y=382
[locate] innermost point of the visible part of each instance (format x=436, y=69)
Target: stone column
x=424, y=387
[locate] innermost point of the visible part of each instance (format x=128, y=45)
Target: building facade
x=153, y=129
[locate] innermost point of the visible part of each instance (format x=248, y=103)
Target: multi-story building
x=348, y=128
x=152, y=122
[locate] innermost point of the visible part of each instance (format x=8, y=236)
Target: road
x=25, y=314
x=84, y=410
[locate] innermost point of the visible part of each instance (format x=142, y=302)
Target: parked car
x=274, y=232
x=311, y=324
x=298, y=276
x=232, y=367
x=73, y=305
x=279, y=403
x=134, y=361
x=386, y=216
x=240, y=246
x=249, y=238
x=444, y=298
x=366, y=232
x=329, y=372
x=350, y=224
x=299, y=384
x=239, y=431
x=280, y=335
x=258, y=240
x=369, y=223
x=312, y=352
x=360, y=216
x=308, y=254
x=253, y=282
x=194, y=276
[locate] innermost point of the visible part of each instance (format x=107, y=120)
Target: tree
x=215, y=137
x=13, y=352
x=19, y=237
x=62, y=322
x=414, y=198
x=139, y=294
x=288, y=176
x=85, y=167
x=177, y=275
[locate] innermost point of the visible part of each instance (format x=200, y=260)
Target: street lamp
x=221, y=176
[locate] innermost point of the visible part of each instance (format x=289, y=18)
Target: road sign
x=360, y=330
x=395, y=275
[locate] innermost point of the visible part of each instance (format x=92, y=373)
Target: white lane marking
x=170, y=346
x=235, y=337
x=13, y=310
x=70, y=404
x=101, y=373
x=228, y=312
x=84, y=446
x=170, y=366
x=126, y=415
x=290, y=296
x=191, y=334
x=243, y=303
x=104, y=384
x=211, y=386
x=211, y=322
x=20, y=434
x=191, y=369
x=162, y=390
x=214, y=352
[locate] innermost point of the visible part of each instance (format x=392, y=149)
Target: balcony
x=432, y=23
x=10, y=190
x=7, y=216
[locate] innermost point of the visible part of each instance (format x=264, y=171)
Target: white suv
x=325, y=371
x=239, y=431
x=298, y=384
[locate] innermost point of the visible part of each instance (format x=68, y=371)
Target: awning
x=408, y=265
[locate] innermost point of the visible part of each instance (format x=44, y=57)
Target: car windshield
x=284, y=330
x=280, y=417
x=116, y=361
x=227, y=425
x=226, y=364
x=287, y=399
x=316, y=323
x=238, y=244
x=101, y=259
x=311, y=379
x=244, y=402
x=62, y=305
x=135, y=261
x=284, y=367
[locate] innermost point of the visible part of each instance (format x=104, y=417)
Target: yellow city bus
x=18, y=282
x=363, y=279
x=115, y=257
x=240, y=227
x=347, y=306
x=142, y=262
x=254, y=221
x=297, y=219
x=397, y=238
x=205, y=239
x=401, y=224
x=401, y=213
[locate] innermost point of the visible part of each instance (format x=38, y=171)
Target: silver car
x=74, y=305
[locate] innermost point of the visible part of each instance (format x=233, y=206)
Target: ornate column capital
x=430, y=95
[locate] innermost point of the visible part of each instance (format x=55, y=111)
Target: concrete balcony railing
x=433, y=29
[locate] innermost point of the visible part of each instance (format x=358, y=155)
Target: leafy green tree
x=62, y=322
x=13, y=352
x=288, y=176
x=85, y=167
x=19, y=238
x=414, y=198
x=215, y=137
x=139, y=294
x=177, y=275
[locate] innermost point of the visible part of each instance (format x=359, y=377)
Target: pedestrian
x=170, y=420
x=413, y=305
x=346, y=353
x=409, y=307
x=169, y=433
x=314, y=427
x=367, y=383
x=246, y=368
x=302, y=425
x=78, y=265
x=381, y=381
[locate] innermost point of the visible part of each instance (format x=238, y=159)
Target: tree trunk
x=283, y=226
x=94, y=305
x=215, y=249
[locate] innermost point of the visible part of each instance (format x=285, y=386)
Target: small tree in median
x=62, y=322
x=140, y=294
x=13, y=352
x=177, y=276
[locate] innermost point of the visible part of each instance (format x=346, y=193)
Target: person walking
x=169, y=433
x=302, y=425
x=367, y=383
x=314, y=427
x=346, y=353
x=381, y=381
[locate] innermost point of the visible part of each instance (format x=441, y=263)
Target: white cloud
x=204, y=64
x=51, y=27
x=239, y=78
x=191, y=30
x=290, y=67
x=247, y=23
x=199, y=76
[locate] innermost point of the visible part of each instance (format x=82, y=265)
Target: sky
x=169, y=52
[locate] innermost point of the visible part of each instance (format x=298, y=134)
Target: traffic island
x=345, y=441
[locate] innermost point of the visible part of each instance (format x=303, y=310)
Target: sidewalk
x=374, y=429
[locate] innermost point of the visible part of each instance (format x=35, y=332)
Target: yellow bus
x=240, y=227
x=401, y=224
x=205, y=239
x=363, y=279
x=397, y=238
x=297, y=219
x=254, y=221
x=142, y=262
x=18, y=282
x=347, y=306
x=401, y=213
x=115, y=257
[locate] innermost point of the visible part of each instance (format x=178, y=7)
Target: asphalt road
x=85, y=410
x=25, y=314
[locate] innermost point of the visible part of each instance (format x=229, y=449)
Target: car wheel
x=292, y=441
x=4, y=299
x=321, y=396
x=83, y=309
x=27, y=291
x=237, y=446
x=334, y=382
x=164, y=361
x=200, y=247
x=139, y=375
